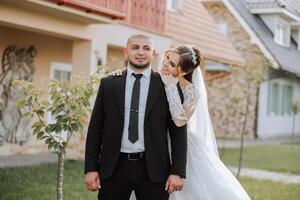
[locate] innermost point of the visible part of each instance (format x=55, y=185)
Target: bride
x=207, y=177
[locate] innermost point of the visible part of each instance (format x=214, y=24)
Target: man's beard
x=137, y=66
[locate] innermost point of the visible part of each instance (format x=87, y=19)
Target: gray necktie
x=133, y=135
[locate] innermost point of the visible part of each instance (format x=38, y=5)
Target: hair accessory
x=194, y=56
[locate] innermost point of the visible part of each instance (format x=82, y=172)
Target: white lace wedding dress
x=207, y=178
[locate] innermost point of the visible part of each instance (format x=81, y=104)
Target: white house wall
x=276, y=125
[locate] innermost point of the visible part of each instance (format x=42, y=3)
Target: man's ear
x=154, y=53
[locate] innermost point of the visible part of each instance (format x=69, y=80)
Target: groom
x=127, y=139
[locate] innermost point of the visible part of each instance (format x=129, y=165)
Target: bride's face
x=170, y=63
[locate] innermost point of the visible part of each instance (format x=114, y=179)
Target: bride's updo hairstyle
x=190, y=59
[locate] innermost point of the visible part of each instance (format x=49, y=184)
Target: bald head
x=139, y=36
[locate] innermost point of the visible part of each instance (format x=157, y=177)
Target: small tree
x=295, y=110
x=68, y=103
x=253, y=74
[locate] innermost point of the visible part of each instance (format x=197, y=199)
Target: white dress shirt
x=138, y=146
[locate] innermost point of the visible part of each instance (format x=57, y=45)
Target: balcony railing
x=146, y=14
x=112, y=9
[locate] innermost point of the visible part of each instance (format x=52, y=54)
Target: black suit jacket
x=106, y=128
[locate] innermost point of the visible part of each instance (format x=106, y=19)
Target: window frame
x=282, y=33
x=173, y=5
x=220, y=24
x=60, y=67
x=281, y=101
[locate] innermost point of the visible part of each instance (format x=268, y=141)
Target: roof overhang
x=280, y=11
x=295, y=24
x=253, y=36
x=216, y=66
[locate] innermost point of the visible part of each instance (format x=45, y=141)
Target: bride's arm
x=181, y=113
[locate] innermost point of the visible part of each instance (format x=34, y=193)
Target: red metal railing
x=112, y=9
x=146, y=14
x=149, y=14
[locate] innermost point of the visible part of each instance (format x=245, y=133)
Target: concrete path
x=268, y=175
x=235, y=143
x=27, y=160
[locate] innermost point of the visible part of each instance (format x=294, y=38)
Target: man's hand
x=174, y=183
x=92, y=181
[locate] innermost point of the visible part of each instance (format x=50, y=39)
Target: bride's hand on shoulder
x=166, y=77
x=117, y=72
x=163, y=70
x=169, y=80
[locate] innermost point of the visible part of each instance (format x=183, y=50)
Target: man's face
x=139, y=52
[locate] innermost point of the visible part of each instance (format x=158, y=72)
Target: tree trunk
x=243, y=132
x=223, y=141
x=293, y=131
x=60, y=175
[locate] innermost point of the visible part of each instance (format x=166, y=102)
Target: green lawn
x=268, y=190
x=282, y=158
x=38, y=183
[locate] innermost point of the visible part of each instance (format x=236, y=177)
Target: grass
x=38, y=183
x=268, y=190
x=281, y=158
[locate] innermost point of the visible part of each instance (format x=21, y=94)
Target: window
x=273, y=98
x=172, y=4
x=60, y=71
x=223, y=26
x=282, y=34
x=298, y=39
x=280, y=99
x=61, y=75
x=287, y=99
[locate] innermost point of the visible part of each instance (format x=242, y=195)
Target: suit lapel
x=154, y=91
x=120, y=92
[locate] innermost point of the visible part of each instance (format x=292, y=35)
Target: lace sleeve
x=181, y=113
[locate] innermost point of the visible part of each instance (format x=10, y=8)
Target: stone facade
x=225, y=91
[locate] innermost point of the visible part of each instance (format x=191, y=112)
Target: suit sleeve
x=178, y=136
x=94, y=134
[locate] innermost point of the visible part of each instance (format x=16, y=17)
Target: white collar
x=146, y=73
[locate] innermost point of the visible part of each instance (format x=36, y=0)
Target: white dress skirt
x=207, y=178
